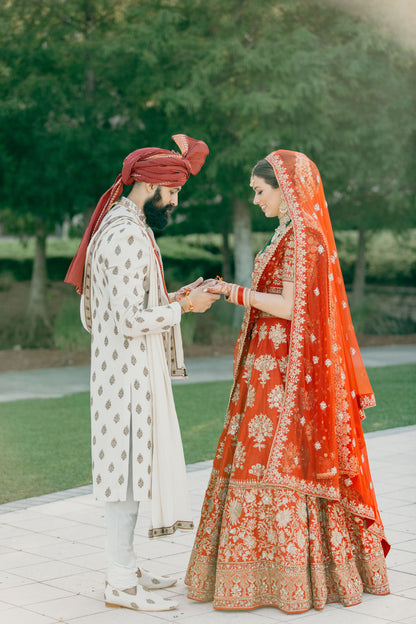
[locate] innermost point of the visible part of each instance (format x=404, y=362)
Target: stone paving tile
x=409, y=593
x=118, y=616
x=48, y=570
x=4, y=607
x=409, y=545
x=400, y=581
x=95, y=561
x=7, y=579
x=67, y=608
x=68, y=550
x=18, y=559
x=391, y=608
x=16, y=615
x=88, y=583
x=31, y=593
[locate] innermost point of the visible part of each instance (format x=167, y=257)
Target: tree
x=303, y=76
x=367, y=160
x=57, y=109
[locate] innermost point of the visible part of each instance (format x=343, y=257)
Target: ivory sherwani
x=135, y=348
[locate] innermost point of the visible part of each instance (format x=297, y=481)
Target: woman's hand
x=280, y=306
x=209, y=282
x=218, y=287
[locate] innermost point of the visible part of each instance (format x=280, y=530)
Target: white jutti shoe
x=150, y=581
x=142, y=600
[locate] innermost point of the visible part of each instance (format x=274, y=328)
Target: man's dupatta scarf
x=319, y=447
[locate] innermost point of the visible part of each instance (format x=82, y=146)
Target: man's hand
x=201, y=299
x=198, y=299
x=182, y=292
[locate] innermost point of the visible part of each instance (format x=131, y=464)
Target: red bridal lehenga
x=290, y=517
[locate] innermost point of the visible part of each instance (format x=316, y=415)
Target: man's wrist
x=186, y=304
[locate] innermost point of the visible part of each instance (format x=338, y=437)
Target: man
x=135, y=347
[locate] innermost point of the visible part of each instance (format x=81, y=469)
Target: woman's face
x=265, y=196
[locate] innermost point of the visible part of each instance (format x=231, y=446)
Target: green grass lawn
x=45, y=443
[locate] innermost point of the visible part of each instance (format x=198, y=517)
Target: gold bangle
x=186, y=304
x=234, y=292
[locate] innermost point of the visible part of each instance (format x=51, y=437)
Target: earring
x=283, y=207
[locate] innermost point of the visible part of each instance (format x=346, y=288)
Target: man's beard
x=157, y=216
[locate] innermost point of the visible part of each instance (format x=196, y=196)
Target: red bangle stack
x=239, y=295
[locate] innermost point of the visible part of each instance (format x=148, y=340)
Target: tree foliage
x=84, y=82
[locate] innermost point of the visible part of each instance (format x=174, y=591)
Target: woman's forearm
x=280, y=306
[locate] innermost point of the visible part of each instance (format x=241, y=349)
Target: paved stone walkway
x=69, y=380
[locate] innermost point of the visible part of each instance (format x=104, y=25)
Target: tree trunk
x=358, y=286
x=226, y=256
x=243, y=250
x=39, y=329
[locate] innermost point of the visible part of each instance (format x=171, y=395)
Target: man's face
x=158, y=208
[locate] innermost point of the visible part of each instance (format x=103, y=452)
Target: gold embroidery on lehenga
x=265, y=526
x=265, y=364
x=251, y=396
x=276, y=396
x=277, y=335
x=271, y=535
x=260, y=427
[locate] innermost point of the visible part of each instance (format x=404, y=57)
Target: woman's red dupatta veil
x=319, y=447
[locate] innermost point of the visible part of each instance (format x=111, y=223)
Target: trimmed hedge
x=391, y=258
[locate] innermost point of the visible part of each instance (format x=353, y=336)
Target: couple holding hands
x=290, y=517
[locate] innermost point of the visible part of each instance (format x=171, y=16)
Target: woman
x=290, y=517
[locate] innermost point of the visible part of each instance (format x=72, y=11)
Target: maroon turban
x=149, y=164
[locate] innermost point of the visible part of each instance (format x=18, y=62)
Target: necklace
x=284, y=223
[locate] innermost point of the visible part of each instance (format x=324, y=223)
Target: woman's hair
x=263, y=169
